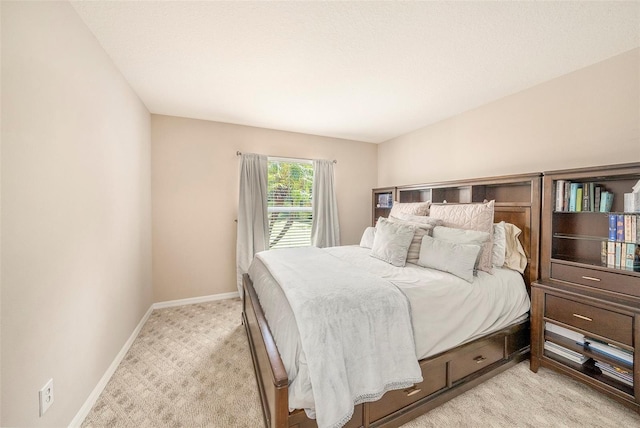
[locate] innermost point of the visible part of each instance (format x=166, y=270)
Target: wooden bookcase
x=582, y=291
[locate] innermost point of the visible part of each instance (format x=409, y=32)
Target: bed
x=448, y=365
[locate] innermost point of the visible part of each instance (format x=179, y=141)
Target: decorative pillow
x=417, y=219
x=391, y=242
x=515, y=257
x=462, y=236
x=414, y=208
x=423, y=227
x=457, y=259
x=367, y=237
x=477, y=217
x=499, y=245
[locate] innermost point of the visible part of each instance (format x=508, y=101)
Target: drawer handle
x=590, y=278
x=582, y=317
x=479, y=359
x=412, y=391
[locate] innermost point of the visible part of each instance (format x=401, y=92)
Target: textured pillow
x=414, y=208
x=499, y=245
x=367, y=237
x=430, y=221
x=515, y=257
x=423, y=227
x=457, y=259
x=477, y=217
x=462, y=236
x=391, y=242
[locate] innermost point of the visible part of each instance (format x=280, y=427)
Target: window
x=289, y=202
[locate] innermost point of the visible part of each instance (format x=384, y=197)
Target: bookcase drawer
x=617, y=282
x=609, y=324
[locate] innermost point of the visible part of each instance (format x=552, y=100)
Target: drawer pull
x=591, y=278
x=412, y=391
x=582, y=317
x=479, y=359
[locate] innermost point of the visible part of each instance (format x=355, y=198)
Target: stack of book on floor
x=614, y=372
x=569, y=354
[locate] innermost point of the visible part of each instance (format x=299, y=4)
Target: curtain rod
x=238, y=153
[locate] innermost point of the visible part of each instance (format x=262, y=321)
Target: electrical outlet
x=46, y=396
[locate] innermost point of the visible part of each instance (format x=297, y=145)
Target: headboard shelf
x=517, y=201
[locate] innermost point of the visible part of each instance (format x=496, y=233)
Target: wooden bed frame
x=446, y=375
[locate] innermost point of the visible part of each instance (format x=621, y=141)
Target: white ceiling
x=366, y=71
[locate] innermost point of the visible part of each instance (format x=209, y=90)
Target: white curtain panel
x=325, y=230
x=253, y=226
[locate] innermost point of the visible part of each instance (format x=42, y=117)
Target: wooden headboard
x=517, y=201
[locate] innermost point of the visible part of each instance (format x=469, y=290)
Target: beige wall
x=195, y=196
x=76, y=257
x=588, y=117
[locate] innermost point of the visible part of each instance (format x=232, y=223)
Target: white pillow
x=515, y=256
x=391, y=242
x=499, y=245
x=457, y=259
x=462, y=236
x=414, y=208
x=367, y=237
x=421, y=219
x=424, y=225
x=472, y=217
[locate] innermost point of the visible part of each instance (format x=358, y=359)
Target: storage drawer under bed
x=434, y=373
x=473, y=360
x=434, y=376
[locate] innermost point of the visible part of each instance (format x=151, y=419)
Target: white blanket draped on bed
x=359, y=343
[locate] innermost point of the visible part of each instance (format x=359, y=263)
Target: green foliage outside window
x=289, y=201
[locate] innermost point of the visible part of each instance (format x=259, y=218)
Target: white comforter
x=358, y=344
x=445, y=310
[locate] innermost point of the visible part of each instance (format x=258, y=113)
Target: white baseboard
x=93, y=397
x=192, y=300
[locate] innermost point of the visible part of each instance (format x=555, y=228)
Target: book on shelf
x=611, y=254
x=618, y=255
x=579, y=199
x=573, y=196
x=606, y=201
x=586, y=196
x=565, y=332
x=560, y=195
x=603, y=253
x=620, y=228
x=615, y=372
x=613, y=219
x=627, y=227
x=570, y=355
x=630, y=254
x=610, y=350
x=596, y=198
x=385, y=200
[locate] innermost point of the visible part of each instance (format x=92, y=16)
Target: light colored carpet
x=190, y=367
